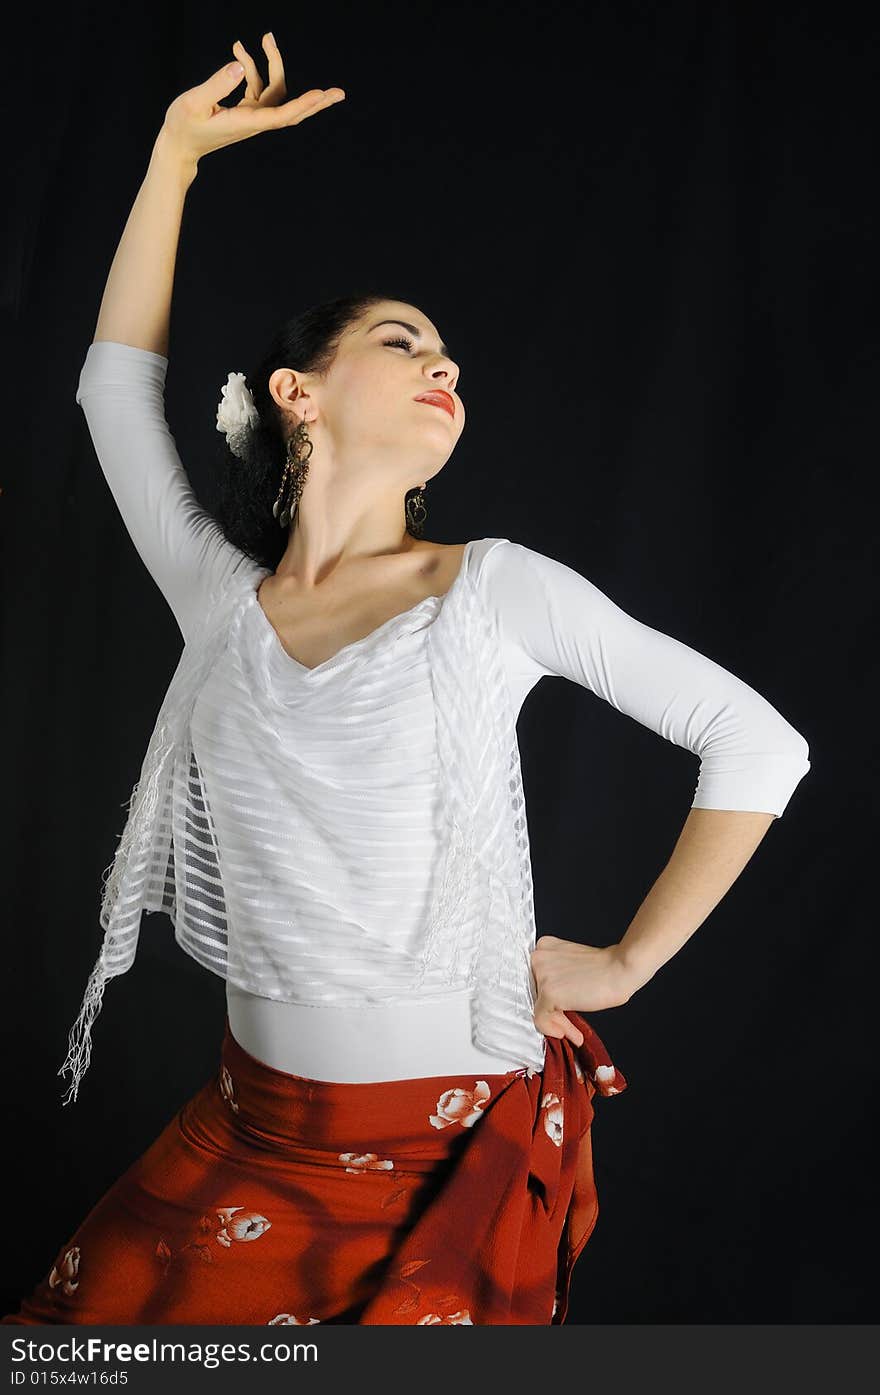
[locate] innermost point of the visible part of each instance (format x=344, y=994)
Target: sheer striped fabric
x=324, y=789
x=237, y=826
x=372, y=816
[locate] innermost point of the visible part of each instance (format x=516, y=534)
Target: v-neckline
x=357, y=643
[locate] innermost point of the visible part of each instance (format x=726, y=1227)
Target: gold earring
x=296, y=469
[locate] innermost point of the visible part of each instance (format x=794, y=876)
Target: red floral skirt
x=272, y=1199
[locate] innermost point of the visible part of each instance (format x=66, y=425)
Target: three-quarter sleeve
x=122, y=393
x=751, y=758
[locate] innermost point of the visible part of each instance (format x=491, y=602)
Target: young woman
x=330, y=810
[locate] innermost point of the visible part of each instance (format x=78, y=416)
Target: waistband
x=419, y=1117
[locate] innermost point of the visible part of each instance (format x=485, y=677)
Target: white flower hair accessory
x=236, y=412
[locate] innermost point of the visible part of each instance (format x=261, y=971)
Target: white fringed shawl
x=168, y=858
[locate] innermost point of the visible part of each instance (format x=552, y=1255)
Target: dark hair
x=247, y=486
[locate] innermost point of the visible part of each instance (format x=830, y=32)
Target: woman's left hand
x=583, y=978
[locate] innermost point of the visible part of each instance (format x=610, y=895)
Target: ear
x=286, y=386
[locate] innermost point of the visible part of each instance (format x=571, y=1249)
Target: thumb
x=221, y=83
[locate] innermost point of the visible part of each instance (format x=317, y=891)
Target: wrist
x=171, y=160
x=635, y=967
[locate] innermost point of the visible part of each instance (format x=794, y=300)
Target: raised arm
x=121, y=391
x=121, y=384
x=751, y=758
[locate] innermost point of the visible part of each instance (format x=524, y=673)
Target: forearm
x=712, y=849
x=136, y=305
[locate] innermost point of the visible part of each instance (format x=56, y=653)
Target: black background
x=648, y=235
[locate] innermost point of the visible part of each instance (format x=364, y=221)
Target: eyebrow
x=413, y=329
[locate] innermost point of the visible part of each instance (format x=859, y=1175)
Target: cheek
x=352, y=397
x=374, y=399
x=368, y=412
x=371, y=389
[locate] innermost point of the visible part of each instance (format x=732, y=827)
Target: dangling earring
x=296, y=469
x=414, y=504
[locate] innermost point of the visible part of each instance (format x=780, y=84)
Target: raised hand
x=195, y=122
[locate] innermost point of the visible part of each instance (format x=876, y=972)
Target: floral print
x=464, y=1253
x=236, y=1223
x=463, y=1107
x=227, y=1089
x=63, y=1275
x=603, y=1075
x=364, y=1162
x=454, y=1319
x=250, y=1225
x=413, y=1299
x=552, y=1106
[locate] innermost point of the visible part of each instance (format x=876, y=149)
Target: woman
x=331, y=812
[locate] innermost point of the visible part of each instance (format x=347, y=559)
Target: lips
x=439, y=399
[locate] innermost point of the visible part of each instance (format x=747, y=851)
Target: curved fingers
x=277, y=88
x=254, y=83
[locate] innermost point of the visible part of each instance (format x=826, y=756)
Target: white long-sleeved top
x=322, y=782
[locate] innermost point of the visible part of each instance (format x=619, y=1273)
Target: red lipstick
x=439, y=398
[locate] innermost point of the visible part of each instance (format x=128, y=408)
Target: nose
x=443, y=373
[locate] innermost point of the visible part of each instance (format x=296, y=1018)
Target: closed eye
x=400, y=341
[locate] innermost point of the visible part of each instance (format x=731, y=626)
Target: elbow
x=787, y=766
x=759, y=776
x=790, y=760
x=779, y=743
x=797, y=750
